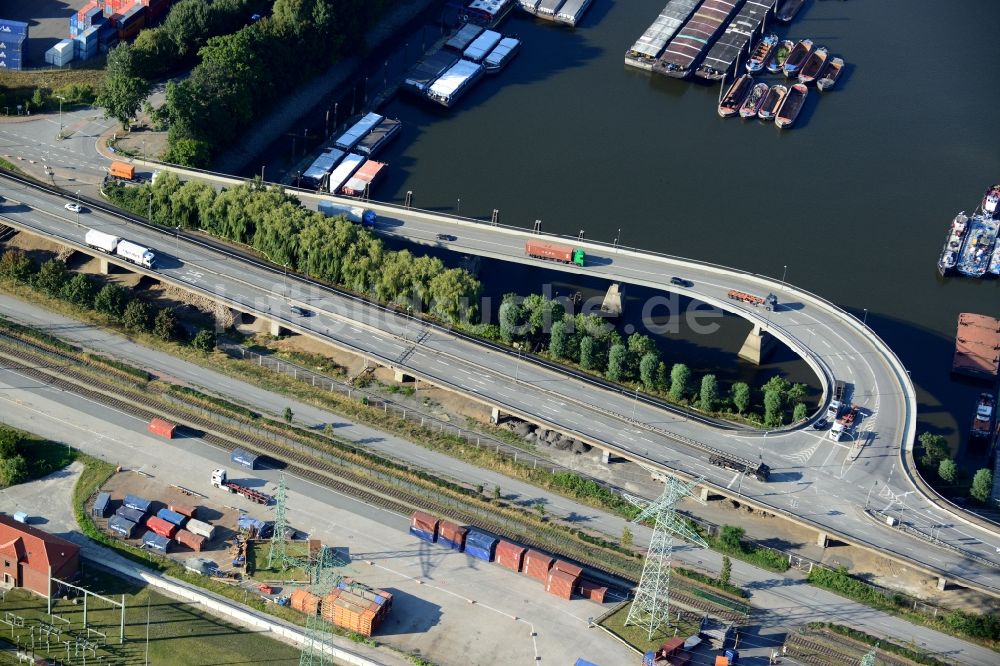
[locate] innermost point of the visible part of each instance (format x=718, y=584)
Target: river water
x=855, y=200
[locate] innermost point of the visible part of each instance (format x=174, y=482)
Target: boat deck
x=740, y=31
x=375, y=140
x=977, y=346
x=428, y=70
x=572, y=11
x=979, y=241
x=696, y=36
x=650, y=45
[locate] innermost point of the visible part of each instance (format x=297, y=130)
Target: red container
x=537, y=565
x=561, y=584
x=510, y=555
x=453, y=534
x=566, y=567
x=80, y=15
x=425, y=522
x=161, y=527
x=190, y=539
x=183, y=509
x=592, y=591
x=165, y=429
x=561, y=253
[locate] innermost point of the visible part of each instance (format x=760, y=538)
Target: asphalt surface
x=786, y=600
x=812, y=477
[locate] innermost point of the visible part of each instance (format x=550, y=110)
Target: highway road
x=813, y=478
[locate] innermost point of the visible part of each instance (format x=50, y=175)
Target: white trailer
x=101, y=241
x=356, y=214
x=135, y=253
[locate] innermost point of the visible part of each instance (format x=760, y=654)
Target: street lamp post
x=783, y=273
x=149, y=214
x=177, y=239
x=865, y=321
x=61, y=100
x=78, y=208
x=285, y=279
x=459, y=211
x=635, y=402
x=262, y=173
x=517, y=366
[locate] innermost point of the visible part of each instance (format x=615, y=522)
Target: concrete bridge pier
x=496, y=416
x=606, y=456
x=756, y=346
x=402, y=377
x=822, y=539
x=276, y=329
x=103, y=265
x=942, y=583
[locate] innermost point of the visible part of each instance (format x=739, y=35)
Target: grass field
x=639, y=638
x=42, y=456
x=21, y=85
x=258, y=562
x=179, y=634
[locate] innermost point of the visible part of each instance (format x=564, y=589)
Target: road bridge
x=814, y=480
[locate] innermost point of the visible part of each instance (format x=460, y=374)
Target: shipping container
x=195, y=542
x=137, y=503
x=305, y=602
x=122, y=170
x=566, y=567
x=355, y=613
x=135, y=515
x=510, y=555
x=592, y=591
x=122, y=526
x=171, y=517
x=361, y=181
x=245, y=458
x=423, y=526
x=184, y=509
x=451, y=535
x=259, y=527
x=549, y=251
x=344, y=170
x=156, y=542
x=13, y=31
x=162, y=428
x=202, y=528
x=102, y=505
x=537, y=565
x=161, y=527
x=479, y=545
x=561, y=584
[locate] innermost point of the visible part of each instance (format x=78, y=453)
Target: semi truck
x=758, y=469
x=770, y=302
x=844, y=423
x=119, y=247
x=366, y=217
x=122, y=170
x=837, y=403
x=551, y=252
x=220, y=479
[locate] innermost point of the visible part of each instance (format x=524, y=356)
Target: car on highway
x=447, y=237
x=681, y=282
x=819, y=425
x=302, y=312
x=73, y=207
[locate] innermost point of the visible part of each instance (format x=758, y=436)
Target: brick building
x=28, y=555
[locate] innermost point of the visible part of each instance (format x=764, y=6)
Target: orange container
x=165, y=429
x=306, y=602
x=183, y=509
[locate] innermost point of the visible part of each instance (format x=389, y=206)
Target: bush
x=111, y=301
x=165, y=325
x=13, y=470
x=982, y=485
x=16, y=265
x=203, y=341
x=136, y=316
x=51, y=277
x=79, y=291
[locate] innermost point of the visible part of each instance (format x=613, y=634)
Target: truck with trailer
x=119, y=247
x=844, y=424
x=122, y=170
x=220, y=479
x=837, y=403
x=757, y=469
x=770, y=302
x=551, y=252
x=366, y=217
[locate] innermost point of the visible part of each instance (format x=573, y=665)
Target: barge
x=650, y=45
x=463, y=37
x=427, y=71
x=501, y=55
x=738, y=34
x=733, y=100
x=358, y=130
x=381, y=134
x=571, y=12
x=974, y=259
x=481, y=46
x=977, y=346
x=344, y=170
x=454, y=83
x=692, y=40
x=360, y=183
x=317, y=172
x=489, y=12
x=787, y=9
x=795, y=99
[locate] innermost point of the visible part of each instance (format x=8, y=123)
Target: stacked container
x=423, y=526
x=155, y=541
x=161, y=527
x=122, y=526
x=351, y=611
x=171, y=517
x=131, y=22
x=107, y=37
x=451, y=535
x=191, y=540
x=537, y=565
x=479, y=545
x=85, y=45
x=134, y=515
x=305, y=602
x=117, y=6
x=510, y=555
x=61, y=54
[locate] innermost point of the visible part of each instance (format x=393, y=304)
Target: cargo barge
x=359, y=185
x=650, y=45
x=691, y=41
x=358, y=131
x=463, y=37
x=974, y=258
x=953, y=244
x=481, y=46
x=427, y=71
x=567, y=12
x=501, y=55
x=387, y=130
x=454, y=82
x=571, y=12
x=345, y=170
x=730, y=46
x=977, y=346
x=317, y=172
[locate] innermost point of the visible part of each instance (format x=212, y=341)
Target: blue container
x=133, y=502
x=448, y=543
x=733, y=656
x=13, y=28
x=171, y=517
x=156, y=542
x=584, y=662
x=480, y=545
x=422, y=534
x=134, y=515
x=102, y=505
x=90, y=35
x=122, y=526
x=649, y=659
x=479, y=553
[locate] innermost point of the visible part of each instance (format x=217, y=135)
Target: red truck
x=550, y=252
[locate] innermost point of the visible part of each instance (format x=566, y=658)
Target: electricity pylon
x=325, y=577
x=869, y=658
x=279, y=552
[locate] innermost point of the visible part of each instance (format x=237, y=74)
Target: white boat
x=453, y=83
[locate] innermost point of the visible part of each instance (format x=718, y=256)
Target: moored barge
x=977, y=346
x=454, y=82
x=740, y=31
x=692, y=40
x=650, y=45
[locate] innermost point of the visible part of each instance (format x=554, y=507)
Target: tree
x=935, y=449
x=948, y=470
x=288, y=415
x=123, y=90
x=540, y=508
x=731, y=538
x=38, y=99
x=709, y=393
x=13, y=470
x=52, y=276
x=203, y=340
x=588, y=353
x=111, y=300
x=626, y=539
x=740, y=394
x=559, y=340
x=649, y=364
x=165, y=325
x=800, y=411
x=797, y=393
x=497, y=495
x=511, y=316
x=79, y=291
x=680, y=381
x=9, y=441
x=618, y=363
x=773, y=414
x=982, y=485
x=136, y=316
x=16, y=265
x=727, y=570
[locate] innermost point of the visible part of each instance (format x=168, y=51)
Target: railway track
x=817, y=653
x=34, y=359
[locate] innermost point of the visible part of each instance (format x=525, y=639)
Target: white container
x=201, y=528
x=101, y=241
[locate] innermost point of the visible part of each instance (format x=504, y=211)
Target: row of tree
x=940, y=469
x=13, y=465
x=326, y=248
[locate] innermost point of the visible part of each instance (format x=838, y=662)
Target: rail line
x=816, y=653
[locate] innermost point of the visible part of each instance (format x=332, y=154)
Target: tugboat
x=772, y=102
x=794, y=101
x=813, y=65
x=833, y=69
x=752, y=104
x=990, y=201
x=974, y=258
x=762, y=53
x=953, y=243
x=737, y=92
x=787, y=9
x=780, y=55
x=995, y=261
x=797, y=58
x=982, y=423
